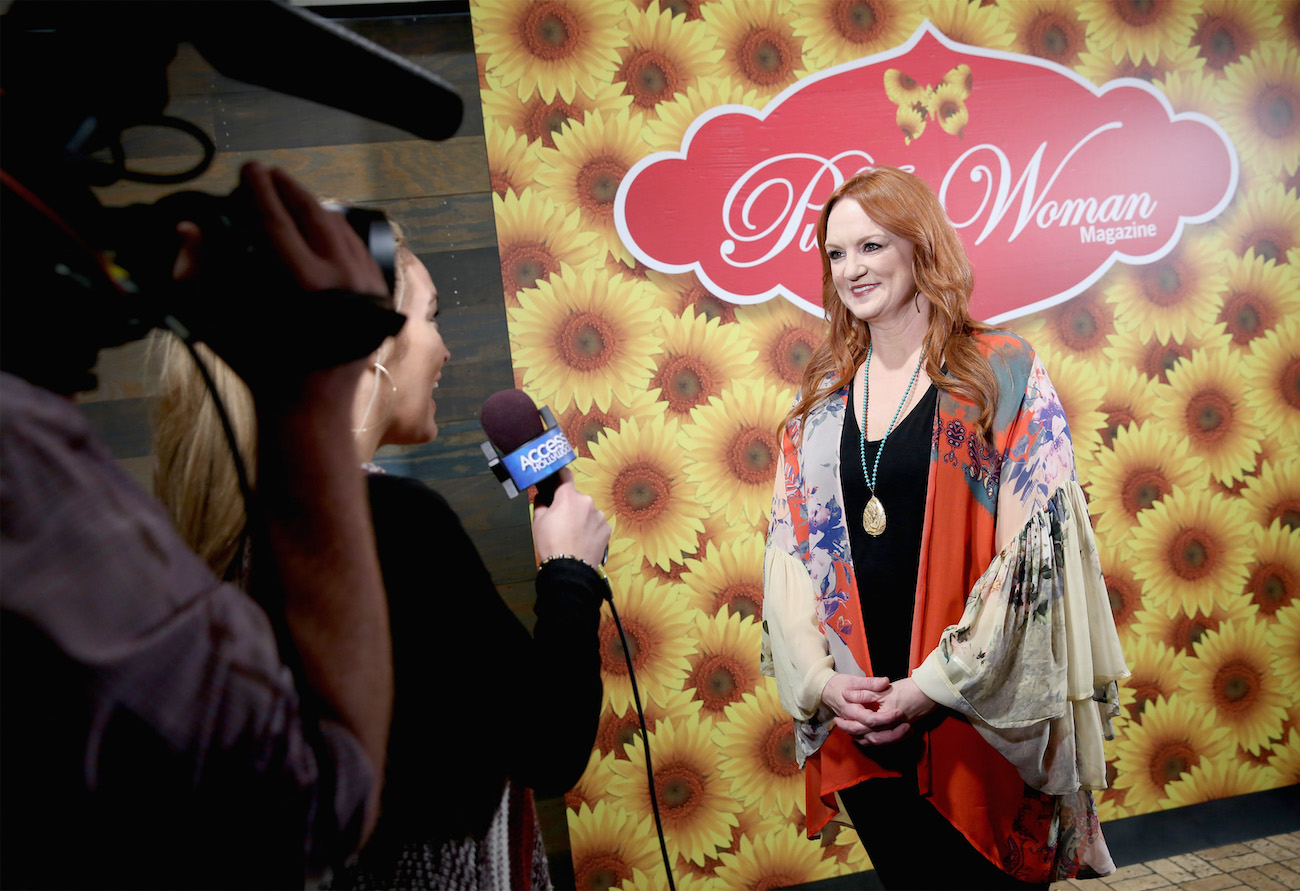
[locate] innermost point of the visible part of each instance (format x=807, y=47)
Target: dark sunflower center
x=858, y=21
x=549, y=30
x=1143, y=488
x=1193, y=554
x=766, y=57
x=752, y=455
x=1209, y=415
x=585, y=341
x=1275, y=112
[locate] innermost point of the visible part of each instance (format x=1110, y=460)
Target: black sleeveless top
x=886, y=565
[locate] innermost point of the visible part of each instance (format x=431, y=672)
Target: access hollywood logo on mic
x=539, y=458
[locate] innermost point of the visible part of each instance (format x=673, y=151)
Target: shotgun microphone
x=525, y=446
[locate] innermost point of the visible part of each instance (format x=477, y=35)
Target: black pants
x=911, y=845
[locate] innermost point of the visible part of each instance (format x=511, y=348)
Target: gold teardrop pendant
x=873, y=518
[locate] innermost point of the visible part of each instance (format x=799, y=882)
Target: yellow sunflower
x=1145, y=463
x=593, y=785
x=1172, y=626
x=1190, y=91
x=1051, y=29
x=587, y=165
x=583, y=339
x=512, y=162
x=535, y=239
x=911, y=123
x=1205, y=404
x=1261, y=107
x=1286, y=759
x=1274, y=494
x=843, y=843
x=1138, y=30
x=694, y=802
x=906, y=91
x=584, y=427
x=785, y=337
x=1227, y=30
x=1224, y=778
x=675, y=116
x=1173, y=736
x=1081, y=391
x=725, y=664
x=1080, y=327
x=1175, y=294
x=655, y=881
x=733, y=448
x=780, y=858
x=676, y=291
x=728, y=578
x=948, y=107
x=1260, y=295
x=760, y=47
x=1271, y=378
x=1284, y=639
x=1122, y=588
x=1101, y=66
x=616, y=732
x=549, y=46
x=539, y=120
x=970, y=22
x=658, y=622
x=758, y=753
x=635, y=476
x=1231, y=678
x=1191, y=548
x=1266, y=220
x=1156, y=671
x=838, y=31
x=1156, y=359
x=1128, y=397
x=607, y=844
x=665, y=55
x=700, y=358
x=749, y=823
x=1274, y=579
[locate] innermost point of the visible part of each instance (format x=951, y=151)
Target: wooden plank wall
x=440, y=193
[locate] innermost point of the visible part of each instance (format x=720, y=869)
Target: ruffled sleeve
x=1034, y=660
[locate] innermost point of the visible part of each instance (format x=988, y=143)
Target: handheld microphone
x=525, y=446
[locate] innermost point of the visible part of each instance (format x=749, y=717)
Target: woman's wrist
x=599, y=570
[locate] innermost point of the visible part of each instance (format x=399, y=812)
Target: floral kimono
x=1012, y=628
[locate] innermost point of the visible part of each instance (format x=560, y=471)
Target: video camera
x=78, y=276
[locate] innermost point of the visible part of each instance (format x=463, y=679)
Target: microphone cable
x=645, y=737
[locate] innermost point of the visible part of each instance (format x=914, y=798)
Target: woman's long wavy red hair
x=902, y=203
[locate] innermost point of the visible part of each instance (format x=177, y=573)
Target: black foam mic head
x=510, y=418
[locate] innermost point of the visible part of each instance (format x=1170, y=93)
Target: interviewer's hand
x=313, y=250
x=571, y=524
x=867, y=709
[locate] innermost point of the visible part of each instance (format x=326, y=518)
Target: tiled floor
x=1266, y=864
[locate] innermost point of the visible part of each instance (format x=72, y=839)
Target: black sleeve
x=476, y=698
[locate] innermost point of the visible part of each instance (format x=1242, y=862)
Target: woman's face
x=417, y=358
x=871, y=267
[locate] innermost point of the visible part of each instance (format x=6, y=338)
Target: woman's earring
x=374, y=396
x=916, y=301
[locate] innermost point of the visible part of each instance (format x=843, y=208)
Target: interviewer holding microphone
x=484, y=713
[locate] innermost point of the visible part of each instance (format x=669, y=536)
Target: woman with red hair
x=935, y=614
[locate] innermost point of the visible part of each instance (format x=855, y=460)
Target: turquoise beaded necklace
x=873, y=516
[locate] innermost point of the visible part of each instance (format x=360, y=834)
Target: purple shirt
x=152, y=733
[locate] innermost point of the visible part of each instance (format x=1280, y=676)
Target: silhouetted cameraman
x=161, y=728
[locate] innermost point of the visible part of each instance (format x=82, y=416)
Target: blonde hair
x=905, y=205
x=195, y=476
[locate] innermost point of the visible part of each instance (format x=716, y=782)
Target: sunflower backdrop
x=1181, y=379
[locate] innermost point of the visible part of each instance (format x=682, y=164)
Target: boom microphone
x=525, y=447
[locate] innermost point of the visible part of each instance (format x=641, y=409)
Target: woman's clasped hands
x=874, y=711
